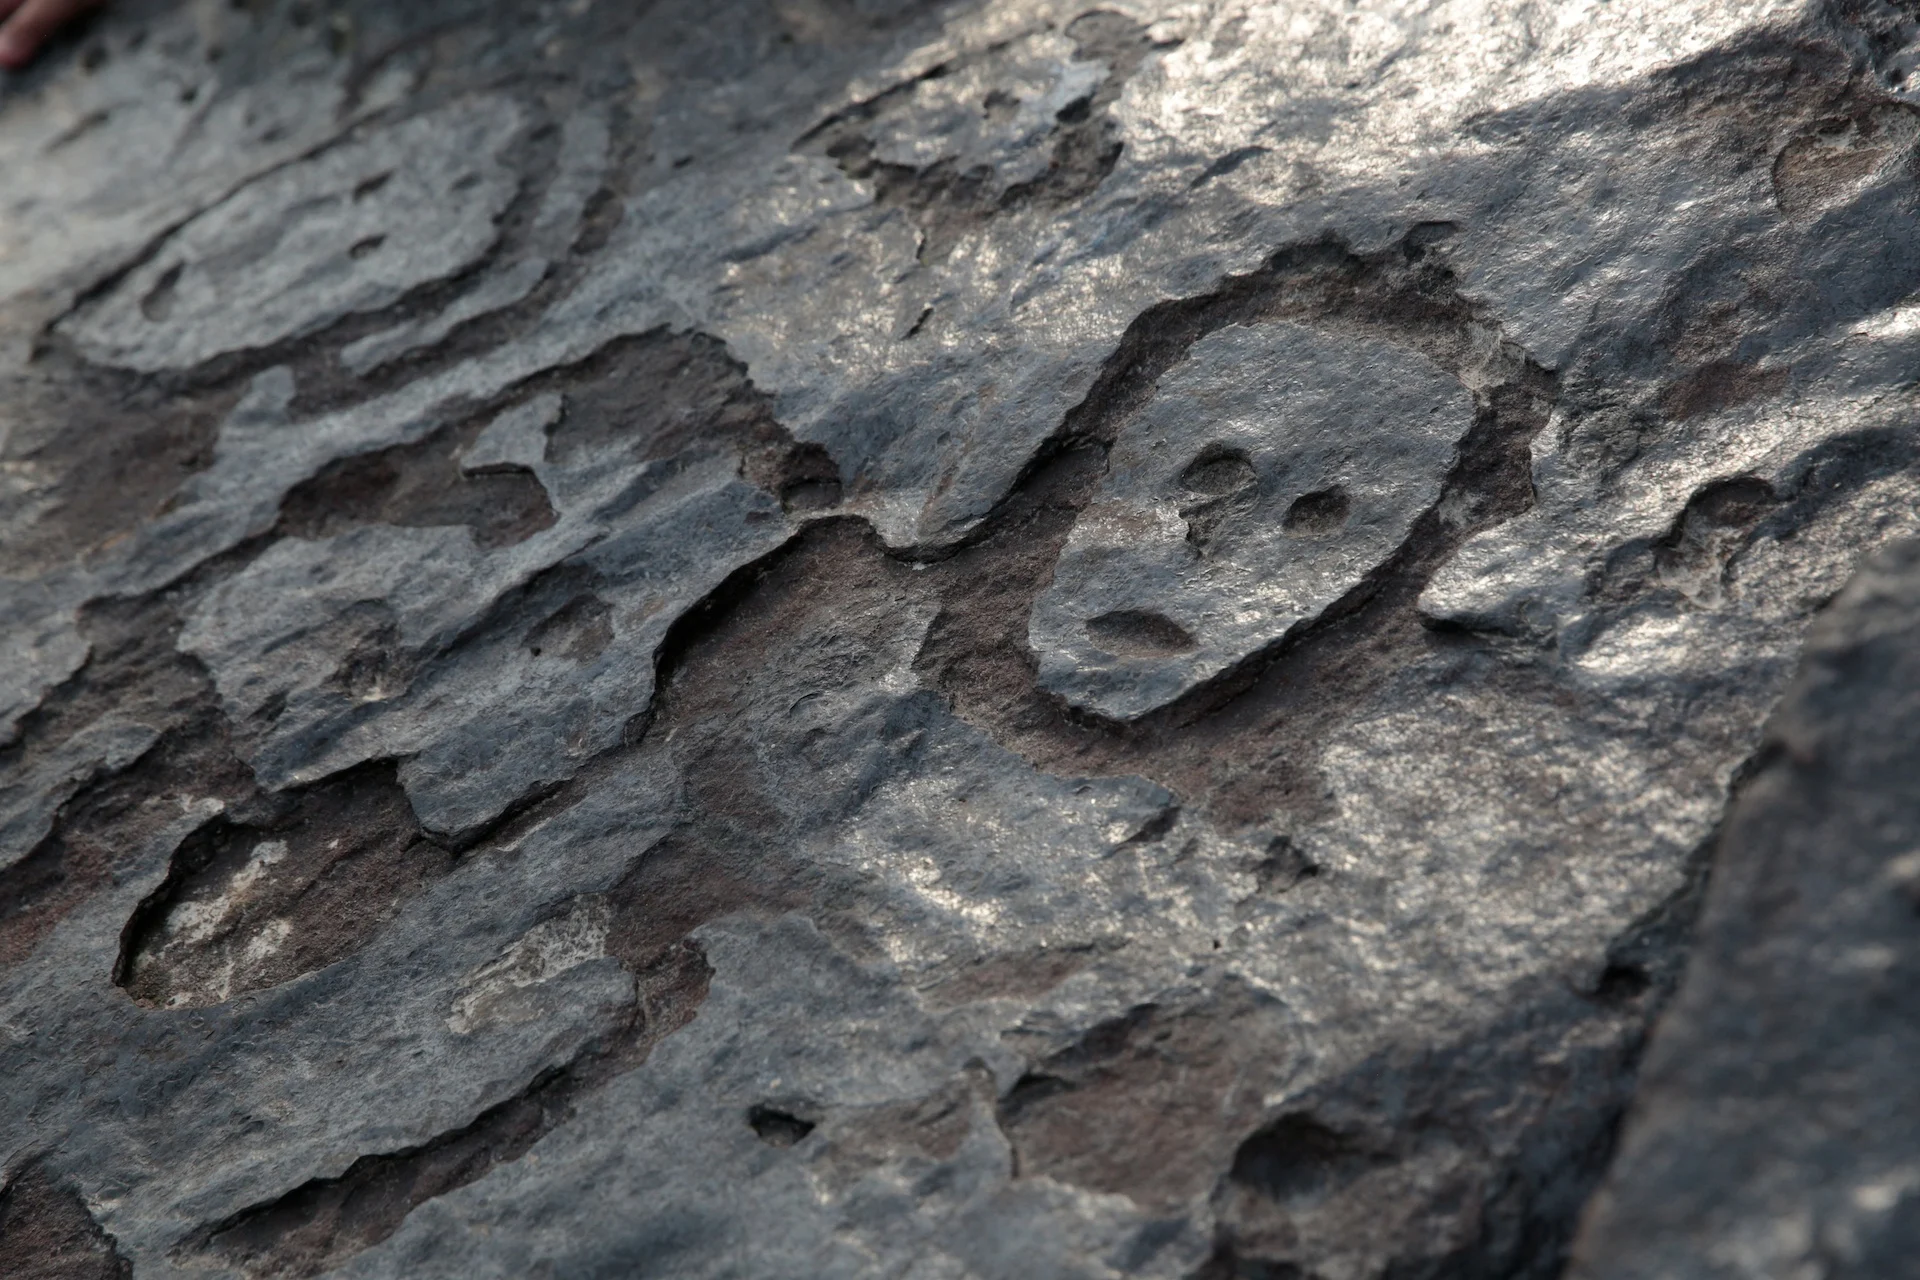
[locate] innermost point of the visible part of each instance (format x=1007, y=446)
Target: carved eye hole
x=1138, y=633
x=1219, y=470
x=158, y=304
x=1320, y=512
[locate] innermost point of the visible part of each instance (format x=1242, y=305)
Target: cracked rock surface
x=1013, y=639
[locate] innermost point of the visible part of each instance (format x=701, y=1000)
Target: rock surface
x=1775, y=1130
x=1021, y=639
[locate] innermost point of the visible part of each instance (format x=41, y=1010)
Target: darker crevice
x=134, y=679
x=280, y=885
x=46, y=1232
x=777, y=1128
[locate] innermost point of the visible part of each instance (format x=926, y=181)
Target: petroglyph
x=1271, y=472
x=1040, y=640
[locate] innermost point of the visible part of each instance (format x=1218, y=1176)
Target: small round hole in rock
x=1622, y=983
x=1219, y=471
x=1075, y=112
x=1139, y=633
x=1322, y=511
x=777, y=1128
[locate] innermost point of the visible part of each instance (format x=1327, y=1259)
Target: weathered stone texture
x=1775, y=1130
x=1015, y=639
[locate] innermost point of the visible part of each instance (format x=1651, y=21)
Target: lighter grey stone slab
x=525, y=724
x=1271, y=472
x=350, y=230
x=160, y=129
x=518, y=437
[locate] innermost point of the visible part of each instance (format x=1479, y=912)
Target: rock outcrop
x=1022, y=639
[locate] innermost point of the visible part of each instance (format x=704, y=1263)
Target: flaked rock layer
x=993, y=641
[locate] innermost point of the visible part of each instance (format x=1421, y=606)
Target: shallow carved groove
x=1322, y=511
x=419, y=485
x=1131, y=633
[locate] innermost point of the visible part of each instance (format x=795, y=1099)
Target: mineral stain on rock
x=46, y=1232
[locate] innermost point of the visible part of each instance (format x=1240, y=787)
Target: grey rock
x=118, y=164
x=496, y=293
x=347, y=669
x=1775, y=1127
x=1269, y=474
x=517, y=438
x=348, y=230
x=569, y=743
x=42, y=647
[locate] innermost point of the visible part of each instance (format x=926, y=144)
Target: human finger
x=32, y=23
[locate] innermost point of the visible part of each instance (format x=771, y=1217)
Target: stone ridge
x=972, y=641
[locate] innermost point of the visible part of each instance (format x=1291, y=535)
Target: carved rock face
x=974, y=642
x=1270, y=473
x=349, y=230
